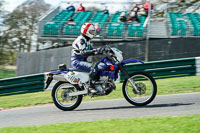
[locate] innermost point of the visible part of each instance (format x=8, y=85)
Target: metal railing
x=47, y=16
x=188, y=31
x=182, y=10
x=108, y=30
x=166, y=68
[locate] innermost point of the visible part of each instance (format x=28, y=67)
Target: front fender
x=131, y=60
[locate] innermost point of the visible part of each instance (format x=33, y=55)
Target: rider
x=81, y=49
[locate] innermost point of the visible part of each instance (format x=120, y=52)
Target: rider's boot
x=92, y=75
x=92, y=88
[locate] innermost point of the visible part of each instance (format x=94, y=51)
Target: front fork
x=128, y=77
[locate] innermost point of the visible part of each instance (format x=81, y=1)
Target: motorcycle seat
x=74, y=69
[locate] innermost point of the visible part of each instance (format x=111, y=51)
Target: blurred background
x=36, y=35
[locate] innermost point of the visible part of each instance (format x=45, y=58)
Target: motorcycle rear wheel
x=61, y=98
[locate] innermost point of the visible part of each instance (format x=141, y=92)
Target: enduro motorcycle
x=138, y=88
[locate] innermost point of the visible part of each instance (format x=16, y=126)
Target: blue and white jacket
x=81, y=49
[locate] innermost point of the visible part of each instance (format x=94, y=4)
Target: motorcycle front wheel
x=61, y=98
x=144, y=93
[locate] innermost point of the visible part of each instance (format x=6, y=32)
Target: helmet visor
x=92, y=32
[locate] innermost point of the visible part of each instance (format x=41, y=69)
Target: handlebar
x=111, y=54
x=110, y=51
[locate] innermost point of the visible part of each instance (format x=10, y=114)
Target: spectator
x=81, y=8
x=122, y=17
x=142, y=11
x=134, y=7
x=97, y=29
x=146, y=6
x=105, y=11
x=70, y=18
x=133, y=17
x=71, y=8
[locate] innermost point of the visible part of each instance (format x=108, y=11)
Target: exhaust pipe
x=79, y=93
x=59, y=77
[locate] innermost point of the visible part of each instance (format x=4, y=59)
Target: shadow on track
x=131, y=106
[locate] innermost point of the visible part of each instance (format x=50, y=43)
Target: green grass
x=24, y=100
x=180, y=124
x=165, y=86
x=7, y=73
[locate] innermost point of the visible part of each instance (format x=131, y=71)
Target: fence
x=22, y=84
x=167, y=68
x=158, y=69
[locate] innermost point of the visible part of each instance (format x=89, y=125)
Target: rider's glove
x=85, y=52
x=102, y=50
x=106, y=49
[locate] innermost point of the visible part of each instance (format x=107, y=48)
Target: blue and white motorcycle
x=138, y=88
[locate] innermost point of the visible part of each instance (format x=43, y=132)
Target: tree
x=1, y=7
x=19, y=30
x=2, y=53
x=22, y=25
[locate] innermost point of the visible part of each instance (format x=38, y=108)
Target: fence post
x=147, y=36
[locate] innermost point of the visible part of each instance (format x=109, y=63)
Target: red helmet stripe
x=86, y=28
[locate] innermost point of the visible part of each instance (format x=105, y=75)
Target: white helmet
x=88, y=29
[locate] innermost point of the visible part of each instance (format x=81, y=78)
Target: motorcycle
x=139, y=88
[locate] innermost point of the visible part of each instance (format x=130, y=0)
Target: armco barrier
x=158, y=69
x=22, y=84
x=197, y=65
x=166, y=68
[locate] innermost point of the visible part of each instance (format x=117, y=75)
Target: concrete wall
x=42, y=61
x=160, y=49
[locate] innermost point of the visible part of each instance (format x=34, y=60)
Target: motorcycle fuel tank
x=77, y=77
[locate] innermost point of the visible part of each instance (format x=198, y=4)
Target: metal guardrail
x=166, y=68
x=158, y=69
x=22, y=84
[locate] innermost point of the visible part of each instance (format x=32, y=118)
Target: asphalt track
x=167, y=105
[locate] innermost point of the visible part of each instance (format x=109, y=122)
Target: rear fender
x=54, y=75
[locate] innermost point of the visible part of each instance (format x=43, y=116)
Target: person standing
x=105, y=11
x=146, y=6
x=122, y=17
x=71, y=8
x=81, y=8
x=97, y=29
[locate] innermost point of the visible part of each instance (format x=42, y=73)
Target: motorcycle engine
x=105, y=86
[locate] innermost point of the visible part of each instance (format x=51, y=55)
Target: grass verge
x=165, y=86
x=7, y=73
x=180, y=124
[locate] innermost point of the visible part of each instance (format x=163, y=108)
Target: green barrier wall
x=164, y=68
x=22, y=84
x=157, y=69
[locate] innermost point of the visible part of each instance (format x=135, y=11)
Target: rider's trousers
x=84, y=66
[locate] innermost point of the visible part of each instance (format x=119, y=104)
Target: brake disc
x=65, y=95
x=141, y=87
